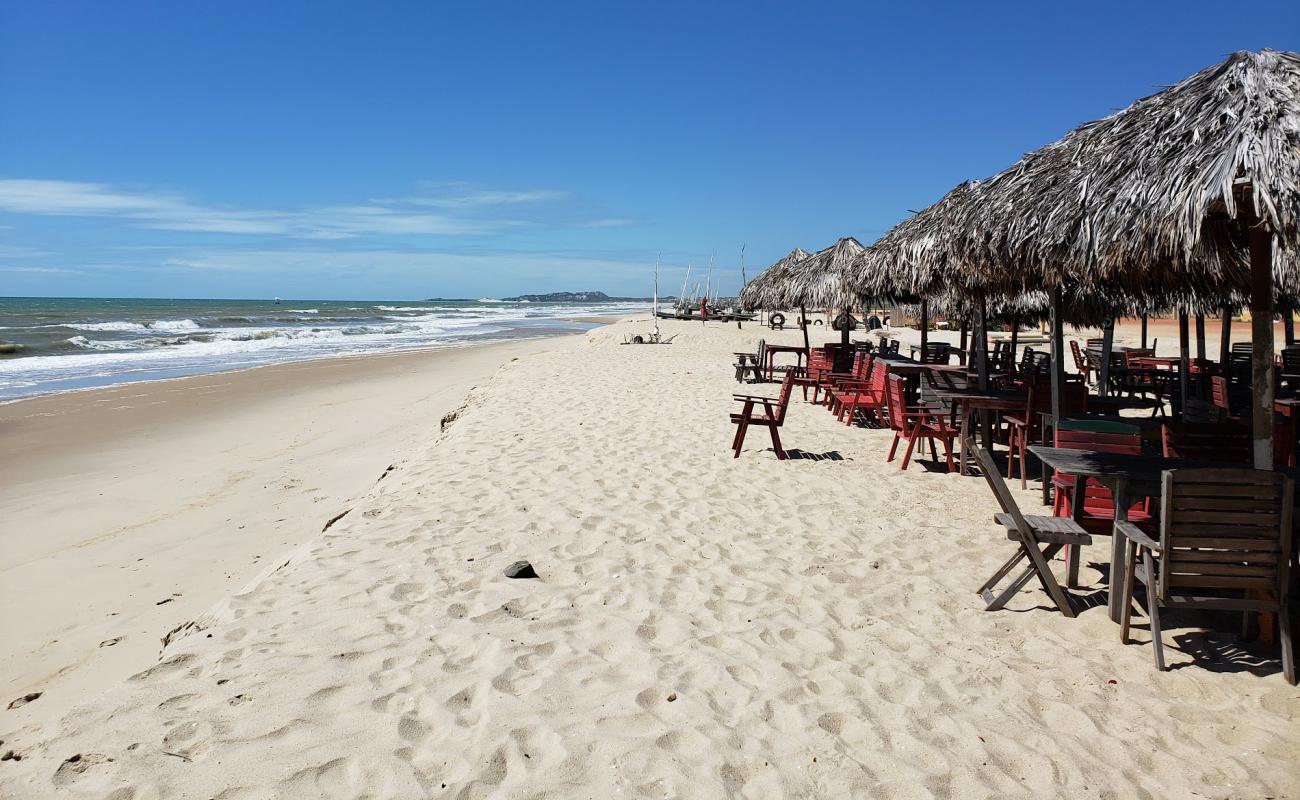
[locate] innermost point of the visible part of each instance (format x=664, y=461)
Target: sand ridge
x=703, y=627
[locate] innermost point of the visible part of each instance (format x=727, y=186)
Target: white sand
x=815, y=620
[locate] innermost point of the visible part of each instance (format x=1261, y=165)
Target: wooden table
x=770, y=351
x=1126, y=477
x=968, y=400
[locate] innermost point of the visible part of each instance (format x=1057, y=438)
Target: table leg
x=965, y=437
x=1074, y=553
x=1117, y=566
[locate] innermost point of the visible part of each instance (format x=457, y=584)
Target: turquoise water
x=58, y=344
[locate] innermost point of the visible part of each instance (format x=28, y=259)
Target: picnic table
x=1127, y=477
x=772, y=350
x=966, y=401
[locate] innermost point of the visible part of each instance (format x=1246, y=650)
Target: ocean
x=61, y=344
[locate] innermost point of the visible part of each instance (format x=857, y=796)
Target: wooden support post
x=1183, y=362
x=1107, y=345
x=925, y=324
x=1261, y=335
x=1144, y=331
x=982, y=359
x=1200, y=337
x=844, y=332
x=1058, y=354
x=1015, y=337
x=1288, y=325
x=1225, y=337
x=962, y=343
x=803, y=323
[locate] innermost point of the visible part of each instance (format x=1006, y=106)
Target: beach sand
x=127, y=511
x=702, y=627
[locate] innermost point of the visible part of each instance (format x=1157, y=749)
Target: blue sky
x=406, y=150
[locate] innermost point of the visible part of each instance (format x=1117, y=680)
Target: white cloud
x=609, y=222
x=168, y=211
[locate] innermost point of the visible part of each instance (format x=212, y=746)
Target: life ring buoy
x=777, y=321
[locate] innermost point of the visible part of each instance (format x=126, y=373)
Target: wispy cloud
x=42, y=270
x=170, y=211
x=609, y=222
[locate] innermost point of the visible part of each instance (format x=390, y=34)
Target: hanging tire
x=845, y=319
x=776, y=321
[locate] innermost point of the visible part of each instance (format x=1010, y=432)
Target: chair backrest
x=783, y=401
x=1291, y=359
x=1201, y=411
x=819, y=363
x=1207, y=441
x=893, y=347
x=896, y=398
x=1134, y=354
x=1080, y=364
x=1242, y=347
x=1219, y=392
x=762, y=350
x=1103, y=436
x=1225, y=529
x=935, y=353
x=1000, y=491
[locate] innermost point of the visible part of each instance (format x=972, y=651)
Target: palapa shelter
x=821, y=280
x=1193, y=191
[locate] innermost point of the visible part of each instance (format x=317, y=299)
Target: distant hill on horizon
x=574, y=297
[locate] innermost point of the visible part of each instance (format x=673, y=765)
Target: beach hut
x=1191, y=192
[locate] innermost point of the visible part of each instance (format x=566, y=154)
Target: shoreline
x=161, y=498
x=487, y=339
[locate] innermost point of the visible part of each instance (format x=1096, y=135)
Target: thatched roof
x=763, y=283
x=1153, y=195
x=820, y=280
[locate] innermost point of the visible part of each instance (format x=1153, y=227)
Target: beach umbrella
x=1193, y=191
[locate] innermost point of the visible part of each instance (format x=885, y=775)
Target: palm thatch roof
x=763, y=283
x=1156, y=194
x=820, y=280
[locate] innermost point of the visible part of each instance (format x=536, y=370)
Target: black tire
x=776, y=321
x=844, y=319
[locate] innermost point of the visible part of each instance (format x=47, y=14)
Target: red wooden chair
x=1026, y=429
x=1098, y=506
x=1080, y=363
x=820, y=364
x=771, y=416
x=836, y=383
x=912, y=423
x=1219, y=395
x=867, y=397
x=1221, y=441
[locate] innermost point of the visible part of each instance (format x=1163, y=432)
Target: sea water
x=60, y=344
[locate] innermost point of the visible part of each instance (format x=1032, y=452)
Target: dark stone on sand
x=521, y=569
x=24, y=700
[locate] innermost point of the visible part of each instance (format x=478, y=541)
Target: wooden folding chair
x=1039, y=539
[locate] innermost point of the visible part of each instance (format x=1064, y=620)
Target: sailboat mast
x=655, y=307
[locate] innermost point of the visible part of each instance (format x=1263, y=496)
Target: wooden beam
x=1107, y=346
x=1261, y=335
x=1288, y=325
x=1058, y=356
x=1144, y=331
x=925, y=324
x=1183, y=362
x=1200, y=337
x=1225, y=338
x=803, y=323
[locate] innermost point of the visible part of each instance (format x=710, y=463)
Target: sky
x=404, y=150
